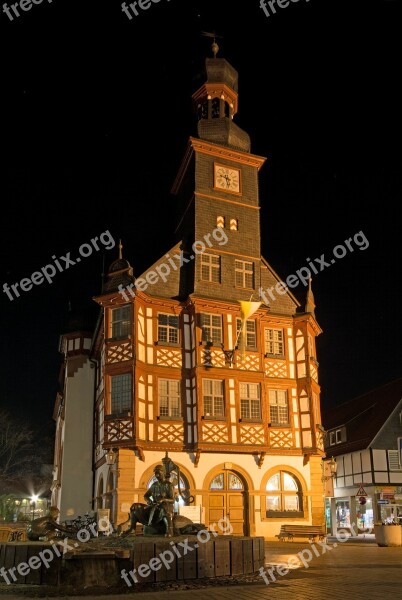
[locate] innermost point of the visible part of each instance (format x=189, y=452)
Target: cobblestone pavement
x=353, y=570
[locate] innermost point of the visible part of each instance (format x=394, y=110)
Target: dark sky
x=96, y=113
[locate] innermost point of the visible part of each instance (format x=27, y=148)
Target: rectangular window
x=250, y=404
x=335, y=437
x=278, y=407
x=210, y=268
x=251, y=336
x=311, y=348
x=121, y=396
x=244, y=274
x=169, y=398
x=211, y=328
x=100, y=422
x=274, y=342
x=120, y=322
x=393, y=460
x=168, y=329
x=213, y=398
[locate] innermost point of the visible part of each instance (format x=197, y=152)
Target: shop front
x=389, y=504
x=350, y=513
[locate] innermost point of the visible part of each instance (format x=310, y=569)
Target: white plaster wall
x=246, y=462
x=76, y=481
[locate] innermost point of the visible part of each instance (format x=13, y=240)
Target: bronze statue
x=157, y=515
x=46, y=526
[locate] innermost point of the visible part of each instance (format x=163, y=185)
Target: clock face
x=227, y=179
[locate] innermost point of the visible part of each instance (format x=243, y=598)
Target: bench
x=311, y=531
x=6, y=534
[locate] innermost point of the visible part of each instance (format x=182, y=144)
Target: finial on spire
x=120, y=250
x=310, y=304
x=215, y=47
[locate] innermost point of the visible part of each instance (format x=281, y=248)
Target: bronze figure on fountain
x=157, y=515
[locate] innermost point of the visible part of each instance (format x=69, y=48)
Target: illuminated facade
x=244, y=425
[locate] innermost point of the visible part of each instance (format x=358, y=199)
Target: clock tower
x=217, y=186
x=229, y=390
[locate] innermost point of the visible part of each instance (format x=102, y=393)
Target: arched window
x=216, y=108
x=284, y=496
x=109, y=491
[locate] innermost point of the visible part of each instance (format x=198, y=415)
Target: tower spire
x=310, y=304
x=216, y=103
x=213, y=35
x=120, y=250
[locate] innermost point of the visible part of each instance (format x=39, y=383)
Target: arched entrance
x=228, y=499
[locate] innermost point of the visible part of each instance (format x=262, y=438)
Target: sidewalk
x=356, y=569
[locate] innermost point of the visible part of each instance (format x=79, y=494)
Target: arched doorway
x=228, y=499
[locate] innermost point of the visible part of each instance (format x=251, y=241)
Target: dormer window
x=336, y=437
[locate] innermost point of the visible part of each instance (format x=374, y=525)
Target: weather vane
x=215, y=47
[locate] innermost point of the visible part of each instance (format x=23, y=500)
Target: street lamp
x=333, y=467
x=330, y=467
x=111, y=458
x=34, y=498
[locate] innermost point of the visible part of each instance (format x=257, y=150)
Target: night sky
x=96, y=113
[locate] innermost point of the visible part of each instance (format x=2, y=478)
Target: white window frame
x=169, y=329
x=248, y=396
x=394, y=460
x=208, y=329
x=278, y=399
x=171, y=403
x=212, y=263
x=215, y=395
x=244, y=269
x=251, y=333
x=274, y=342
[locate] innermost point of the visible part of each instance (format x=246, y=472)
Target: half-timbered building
x=237, y=408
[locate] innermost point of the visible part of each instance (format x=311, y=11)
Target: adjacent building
x=364, y=436
x=174, y=364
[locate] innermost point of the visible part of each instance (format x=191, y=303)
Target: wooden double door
x=228, y=504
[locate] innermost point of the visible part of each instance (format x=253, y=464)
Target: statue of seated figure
x=46, y=526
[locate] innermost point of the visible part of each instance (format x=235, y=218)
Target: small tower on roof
x=120, y=274
x=216, y=103
x=310, y=304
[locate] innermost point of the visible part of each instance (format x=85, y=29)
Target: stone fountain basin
x=99, y=563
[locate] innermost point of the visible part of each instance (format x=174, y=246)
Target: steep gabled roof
x=363, y=417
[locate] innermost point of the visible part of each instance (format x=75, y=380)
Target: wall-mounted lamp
x=111, y=457
x=111, y=460
x=333, y=466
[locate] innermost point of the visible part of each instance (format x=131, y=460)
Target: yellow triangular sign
x=361, y=491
